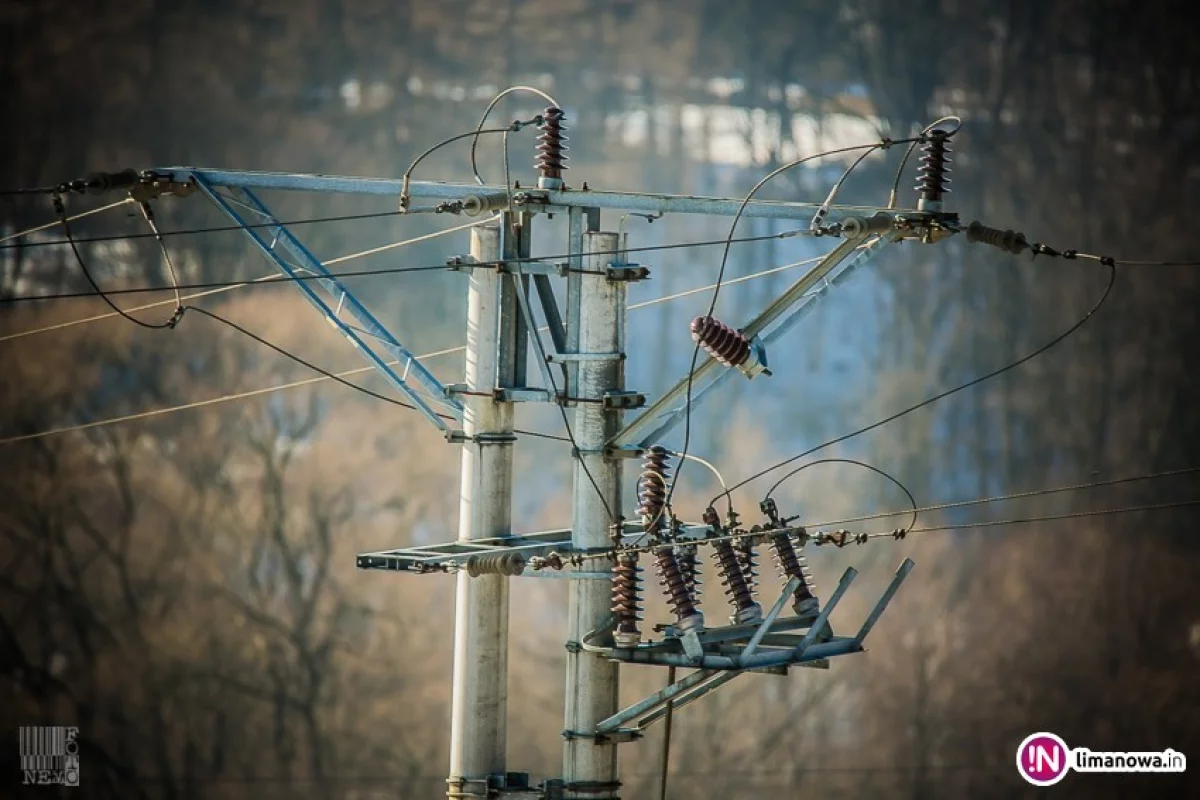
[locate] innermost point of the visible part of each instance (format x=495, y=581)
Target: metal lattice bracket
x=330, y=297
x=772, y=646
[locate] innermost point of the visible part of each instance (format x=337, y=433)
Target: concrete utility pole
x=591, y=345
x=589, y=768
x=479, y=702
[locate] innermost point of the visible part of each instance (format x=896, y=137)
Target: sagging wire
x=55, y=224
x=308, y=381
x=406, y=178
x=61, y=211
x=687, y=412
x=389, y=270
x=487, y=111
x=842, y=538
x=941, y=395
x=1075, y=487
x=334, y=377
x=1100, y=512
x=668, y=510
x=853, y=462
x=541, y=350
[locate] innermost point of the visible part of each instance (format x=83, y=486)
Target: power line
x=56, y=223
x=386, y=271
x=309, y=381
x=851, y=461
x=120, y=237
x=901, y=533
x=1015, y=496
x=1096, y=307
x=487, y=111
x=687, y=404
x=332, y=376
x=60, y=209
x=1047, y=518
x=224, y=287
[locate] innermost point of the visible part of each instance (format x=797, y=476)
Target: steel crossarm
x=536, y=199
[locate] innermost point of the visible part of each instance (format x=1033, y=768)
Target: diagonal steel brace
x=281, y=236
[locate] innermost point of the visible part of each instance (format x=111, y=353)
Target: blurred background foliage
x=182, y=586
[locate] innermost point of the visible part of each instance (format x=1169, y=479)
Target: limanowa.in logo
x=1044, y=759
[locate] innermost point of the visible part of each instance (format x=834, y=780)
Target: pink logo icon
x=1043, y=759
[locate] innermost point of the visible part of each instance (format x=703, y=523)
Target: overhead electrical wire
x=515, y=125
x=852, y=462
x=639, y=548
x=487, y=111
x=941, y=395
x=180, y=310
x=60, y=209
x=390, y=270
x=541, y=349
x=1099, y=512
x=221, y=287
x=56, y=223
x=251, y=393
x=1074, y=487
x=8, y=244
x=687, y=405
x=334, y=377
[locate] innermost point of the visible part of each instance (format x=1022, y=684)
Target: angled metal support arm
x=657, y=420
x=323, y=279
x=653, y=708
x=889, y=593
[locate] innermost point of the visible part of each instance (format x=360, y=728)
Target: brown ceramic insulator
x=689, y=565
x=721, y=341
x=748, y=560
x=932, y=180
x=551, y=158
x=653, y=488
x=790, y=563
x=673, y=582
x=626, y=593
x=731, y=575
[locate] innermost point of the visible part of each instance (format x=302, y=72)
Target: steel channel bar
x=559, y=200
x=772, y=615
x=869, y=623
x=649, y=703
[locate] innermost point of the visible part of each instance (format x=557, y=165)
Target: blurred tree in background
x=182, y=588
